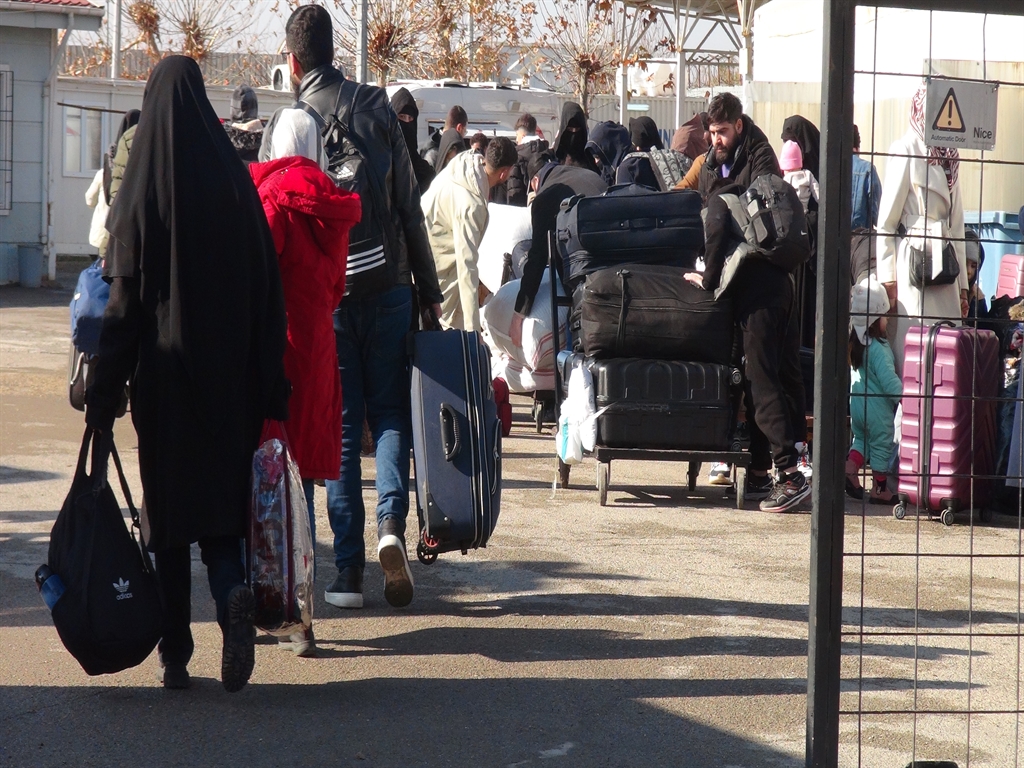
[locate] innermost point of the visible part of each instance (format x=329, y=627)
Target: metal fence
x=916, y=605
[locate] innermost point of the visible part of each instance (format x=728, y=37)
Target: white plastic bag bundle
x=577, y=423
x=536, y=355
x=507, y=225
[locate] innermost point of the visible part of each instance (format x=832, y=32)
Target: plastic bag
x=535, y=354
x=279, y=545
x=577, y=421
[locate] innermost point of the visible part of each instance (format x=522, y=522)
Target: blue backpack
x=87, y=307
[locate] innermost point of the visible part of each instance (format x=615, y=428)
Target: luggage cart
x=738, y=458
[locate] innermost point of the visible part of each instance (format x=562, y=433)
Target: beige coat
x=455, y=210
x=96, y=200
x=916, y=195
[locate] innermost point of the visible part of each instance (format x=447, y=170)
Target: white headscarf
x=296, y=134
x=868, y=302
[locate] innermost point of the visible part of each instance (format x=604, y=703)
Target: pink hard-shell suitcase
x=950, y=385
x=1011, y=276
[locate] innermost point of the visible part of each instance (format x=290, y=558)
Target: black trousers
x=222, y=556
x=774, y=384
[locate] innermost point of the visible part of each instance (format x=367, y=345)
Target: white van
x=492, y=108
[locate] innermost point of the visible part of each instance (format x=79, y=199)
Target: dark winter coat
x=195, y=319
x=754, y=157
x=310, y=219
x=532, y=156
x=246, y=139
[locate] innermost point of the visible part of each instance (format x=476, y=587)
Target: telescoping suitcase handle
x=924, y=478
x=450, y=438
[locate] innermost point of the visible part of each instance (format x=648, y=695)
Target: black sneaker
x=239, y=654
x=398, y=586
x=347, y=589
x=791, y=489
x=755, y=487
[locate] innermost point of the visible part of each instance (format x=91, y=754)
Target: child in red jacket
x=309, y=219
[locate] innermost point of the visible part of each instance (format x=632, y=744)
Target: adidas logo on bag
x=122, y=589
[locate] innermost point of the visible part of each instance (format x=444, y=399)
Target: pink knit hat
x=791, y=159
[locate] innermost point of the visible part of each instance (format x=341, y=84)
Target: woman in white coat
x=920, y=209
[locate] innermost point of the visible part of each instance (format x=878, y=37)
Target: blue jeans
x=370, y=335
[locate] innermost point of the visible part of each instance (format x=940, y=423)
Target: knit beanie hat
x=868, y=302
x=243, y=104
x=791, y=159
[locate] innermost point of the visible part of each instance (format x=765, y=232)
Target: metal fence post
x=831, y=386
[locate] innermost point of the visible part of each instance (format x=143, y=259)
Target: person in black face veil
x=408, y=113
x=571, y=142
x=131, y=118
x=196, y=322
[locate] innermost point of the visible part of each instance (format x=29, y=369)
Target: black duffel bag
x=628, y=225
x=653, y=312
x=110, y=615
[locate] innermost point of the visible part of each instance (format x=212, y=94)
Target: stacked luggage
x=658, y=348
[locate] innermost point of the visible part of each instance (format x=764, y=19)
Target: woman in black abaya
x=805, y=133
x=196, y=324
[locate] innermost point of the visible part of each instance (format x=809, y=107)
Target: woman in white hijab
x=296, y=134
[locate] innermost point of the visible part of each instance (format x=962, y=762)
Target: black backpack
x=368, y=272
x=110, y=616
x=776, y=223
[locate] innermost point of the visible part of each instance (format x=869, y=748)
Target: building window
x=83, y=140
x=6, y=137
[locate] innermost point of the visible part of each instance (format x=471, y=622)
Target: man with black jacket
x=370, y=324
x=764, y=300
x=739, y=153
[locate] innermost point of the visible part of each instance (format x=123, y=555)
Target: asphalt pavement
x=666, y=629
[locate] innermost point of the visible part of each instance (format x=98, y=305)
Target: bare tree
x=579, y=42
x=394, y=35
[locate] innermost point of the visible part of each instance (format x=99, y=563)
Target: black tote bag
x=110, y=616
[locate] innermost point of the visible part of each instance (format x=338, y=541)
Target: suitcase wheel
x=899, y=511
x=426, y=549
x=604, y=471
x=948, y=516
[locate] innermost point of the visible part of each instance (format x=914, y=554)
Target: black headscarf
x=806, y=134
x=608, y=144
x=131, y=117
x=450, y=139
x=571, y=140
x=643, y=133
x=189, y=225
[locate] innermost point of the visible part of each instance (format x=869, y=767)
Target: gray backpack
x=671, y=165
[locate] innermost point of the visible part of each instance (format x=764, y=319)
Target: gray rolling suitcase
x=456, y=438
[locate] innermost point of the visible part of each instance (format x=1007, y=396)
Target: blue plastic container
x=1000, y=234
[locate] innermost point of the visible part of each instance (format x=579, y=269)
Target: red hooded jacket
x=310, y=219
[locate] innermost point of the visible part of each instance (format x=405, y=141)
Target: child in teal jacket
x=875, y=391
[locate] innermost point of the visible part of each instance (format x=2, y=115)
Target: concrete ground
x=667, y=629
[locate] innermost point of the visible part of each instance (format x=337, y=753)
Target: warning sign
x=961, y=114
x=949, y=117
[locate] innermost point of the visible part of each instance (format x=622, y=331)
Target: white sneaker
x=398, y=585
x=720, y=474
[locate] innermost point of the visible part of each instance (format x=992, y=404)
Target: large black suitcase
x=631, y=225
x=660, y=404
x=653, y=312
x=456, y=440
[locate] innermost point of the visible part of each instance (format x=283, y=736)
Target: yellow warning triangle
x=949, y=117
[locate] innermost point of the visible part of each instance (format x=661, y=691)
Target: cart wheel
x=899, y=511
x=603, y=476
x=563, y=474
x=987, y=515
x=741, y=487
x=424, y=555
x=691, y=475
x=948, y=516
